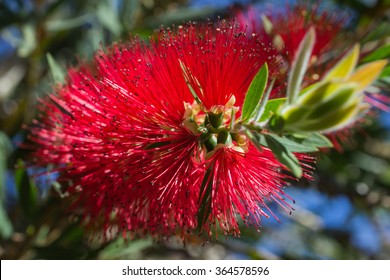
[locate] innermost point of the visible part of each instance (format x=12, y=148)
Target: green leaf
x=27, y=191
x=316, y=139
x=29, y=42
x=344, y=68
x=205, y=198
x=254, y=93
x=157, y=145
x=380, y=53
x=6, y=228
x=311, y=142
x=57, y=73
x=187, y=77
x=108, y=17
x=343, y=97
x=267, y=24
x=255, y=138
x=60, y=25
x=271, y=107
x=385, y=72
x=300, y=65
x=123, y=249
x=314, y=93
x=366, y=74
x=285, y=156
x=261, y=106
x=332, y=121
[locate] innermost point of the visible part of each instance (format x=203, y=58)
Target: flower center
x=215, y=126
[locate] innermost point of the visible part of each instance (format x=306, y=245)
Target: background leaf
x=380, y=53
x=6, y=227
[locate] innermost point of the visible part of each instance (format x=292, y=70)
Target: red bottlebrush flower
x=293, y=26
x=127, y=134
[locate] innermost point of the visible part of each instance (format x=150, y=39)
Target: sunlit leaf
x=344, y=68
x=367, y=73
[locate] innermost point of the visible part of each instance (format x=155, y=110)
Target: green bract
x=336, y=100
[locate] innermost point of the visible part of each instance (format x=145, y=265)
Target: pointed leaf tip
x=344, y=68
x=57, y=73
x=187, y=77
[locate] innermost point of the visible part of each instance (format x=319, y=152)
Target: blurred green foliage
x=44, y=37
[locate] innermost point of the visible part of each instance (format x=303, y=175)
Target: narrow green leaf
x=255, y=139
x=292, y=144
x=205, y=198
x=300, y=65
x=380, y=53
x=254, y=93
x=343, y=97
x=157, y=145
x=27, y=191
x=6, y=228
x=385, y=72
x=293, y=114
x=108, y=17
x=285, y=156
x=366, y=74
x=187, y=74
x=314, y=93
x=311, y=142
x=267, y=24
x=318, y=140
x=331, y=122
x=60, y=25
x=29, y=42
x=57, y=74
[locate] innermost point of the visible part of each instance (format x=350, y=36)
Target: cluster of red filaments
x=135, y=147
